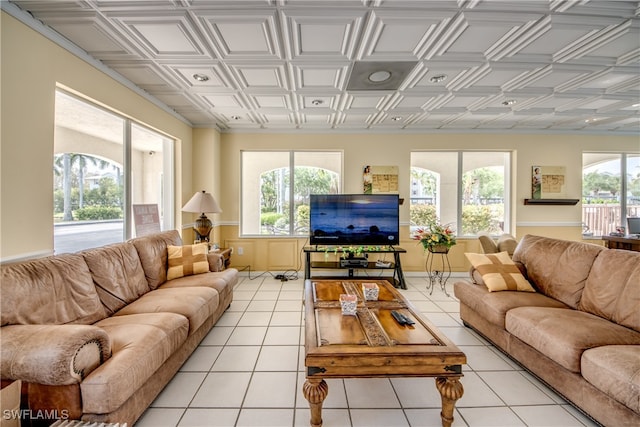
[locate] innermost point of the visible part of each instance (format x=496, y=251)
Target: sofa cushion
x=196, y=304
x=140, y=344
x=557, y=268
x=152, y=250
x=507, y=243
x=187, y=260
x=615, y=370
x=117, y=274
x=493, y=306
x=53, y=290
x=219, y=280
x=563, y=335
x=612, y=289
x=498, y=272
x=488, y=245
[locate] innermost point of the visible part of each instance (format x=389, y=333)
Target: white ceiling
x=569, y=65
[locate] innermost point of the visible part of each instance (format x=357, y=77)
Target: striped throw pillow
x=187, y=260
x=499, y=273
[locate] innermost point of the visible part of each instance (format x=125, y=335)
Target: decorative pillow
x=499, y=272
x=187, y=260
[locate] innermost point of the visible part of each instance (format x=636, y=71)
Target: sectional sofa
x=96, y=335
x=577, y=327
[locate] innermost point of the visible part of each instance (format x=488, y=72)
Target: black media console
x=359, y=263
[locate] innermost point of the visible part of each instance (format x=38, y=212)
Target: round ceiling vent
x=379, y=76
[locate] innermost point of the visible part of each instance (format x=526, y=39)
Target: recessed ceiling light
x=396, y=118
x=317, y=102
x=509, y=102
x=201, y=77
x=439, y=78
x=379, y=76
x=636, y=105
x=590, y=120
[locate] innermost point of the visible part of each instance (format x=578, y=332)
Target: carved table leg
x=315, y=390
x=450, y=390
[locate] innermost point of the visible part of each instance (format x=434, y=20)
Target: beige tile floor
x=249, y=370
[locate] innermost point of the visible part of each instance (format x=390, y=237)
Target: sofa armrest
x=475, y=276
x=507, y=243
x=52, y=354
x=216, y=261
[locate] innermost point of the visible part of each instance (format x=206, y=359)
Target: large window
x=610, y=191
x=467, y=190
x=276, y=186
x=104, y=164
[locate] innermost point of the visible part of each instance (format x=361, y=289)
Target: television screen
x=633, y=225
x=354, y=219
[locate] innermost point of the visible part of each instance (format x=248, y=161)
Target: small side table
x=438, y=270
x=226, y=255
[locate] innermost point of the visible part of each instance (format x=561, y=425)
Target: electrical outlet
x=240, y=250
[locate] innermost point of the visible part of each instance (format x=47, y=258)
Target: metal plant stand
x=438, y=271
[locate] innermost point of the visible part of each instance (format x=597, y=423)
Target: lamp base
x=202, y=227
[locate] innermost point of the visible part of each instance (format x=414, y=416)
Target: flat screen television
x=633, y=224
x=354, y=219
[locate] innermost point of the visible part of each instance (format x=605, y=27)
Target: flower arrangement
x=436, y=237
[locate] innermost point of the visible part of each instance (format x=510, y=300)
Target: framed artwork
x=380, y=179
x=548, y=182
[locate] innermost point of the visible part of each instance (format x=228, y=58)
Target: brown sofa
x=96, y=335
x=504, y=243
x=579, y=332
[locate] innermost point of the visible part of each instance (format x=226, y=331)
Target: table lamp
x=202, y=202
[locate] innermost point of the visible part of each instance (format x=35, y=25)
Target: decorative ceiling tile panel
x=166, y=35
x=321, y=33
x=243, y=34
x=285, y=64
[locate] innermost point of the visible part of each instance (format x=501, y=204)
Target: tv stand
x=398, y=276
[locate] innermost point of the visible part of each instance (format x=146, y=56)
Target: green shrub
x=282, y=223
x=92, y=213
x=302, y=216
x=269, y=218
x=423, y=215
x=477, y=218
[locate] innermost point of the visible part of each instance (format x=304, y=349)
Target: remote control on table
x=401, y=318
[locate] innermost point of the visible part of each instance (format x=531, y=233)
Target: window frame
x=291, y=170
x=623, y=158
x=168, y=171
x=508, y=186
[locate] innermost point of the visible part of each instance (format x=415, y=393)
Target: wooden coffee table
x=373, y=344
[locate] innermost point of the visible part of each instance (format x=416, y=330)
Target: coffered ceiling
x=455, y=65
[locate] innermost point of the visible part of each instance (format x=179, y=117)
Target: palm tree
x=63, y=165
x=82, y=164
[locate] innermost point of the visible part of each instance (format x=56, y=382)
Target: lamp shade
x=202, y=202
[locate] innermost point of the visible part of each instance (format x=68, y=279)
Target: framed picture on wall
x=548, y=182
x=380, y=180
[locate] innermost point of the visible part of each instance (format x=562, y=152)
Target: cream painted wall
x=31, y=68
x=394, y=149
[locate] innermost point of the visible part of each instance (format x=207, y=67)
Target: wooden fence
x=602, y=219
